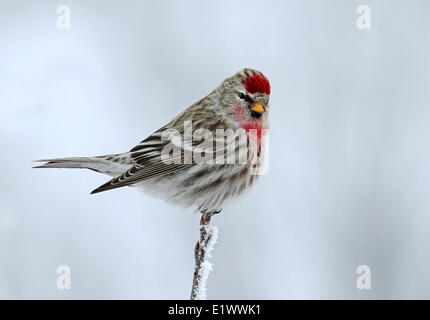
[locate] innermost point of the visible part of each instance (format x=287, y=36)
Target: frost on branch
x=208, y=238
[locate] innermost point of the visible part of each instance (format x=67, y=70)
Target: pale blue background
x=349, y=177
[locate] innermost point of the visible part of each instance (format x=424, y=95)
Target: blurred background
x=348, y=182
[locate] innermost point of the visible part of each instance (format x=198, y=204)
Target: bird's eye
x=241, y=96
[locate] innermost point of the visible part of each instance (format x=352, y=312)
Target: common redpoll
x=203, y=157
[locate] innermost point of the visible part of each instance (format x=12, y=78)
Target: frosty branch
x=202, y=253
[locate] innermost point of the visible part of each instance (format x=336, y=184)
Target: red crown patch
x=257, y=83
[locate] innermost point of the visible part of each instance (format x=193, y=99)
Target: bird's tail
x=113, y=165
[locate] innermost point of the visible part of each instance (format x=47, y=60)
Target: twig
x=202, y=251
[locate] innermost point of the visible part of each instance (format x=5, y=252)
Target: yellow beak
x=257, y=107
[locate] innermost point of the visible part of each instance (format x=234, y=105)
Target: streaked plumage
x=203, y=186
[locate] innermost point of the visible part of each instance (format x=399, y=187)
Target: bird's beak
x=258, y=108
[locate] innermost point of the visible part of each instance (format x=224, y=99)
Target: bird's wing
x=148, y=162
x=151, y=159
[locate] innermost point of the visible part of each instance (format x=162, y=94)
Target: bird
x=201, y=159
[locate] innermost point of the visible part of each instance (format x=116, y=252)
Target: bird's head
x=245, y=98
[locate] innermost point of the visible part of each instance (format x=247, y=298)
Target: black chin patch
x=256, y=114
